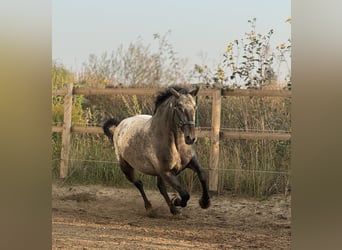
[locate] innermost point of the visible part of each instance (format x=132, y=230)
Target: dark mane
x=165, y=94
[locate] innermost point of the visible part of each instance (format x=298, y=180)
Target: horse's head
x=184, y=113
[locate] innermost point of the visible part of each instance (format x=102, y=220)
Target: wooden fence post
x=215, y=141
x=66, y=131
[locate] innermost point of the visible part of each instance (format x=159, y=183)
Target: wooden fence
x=215, y=133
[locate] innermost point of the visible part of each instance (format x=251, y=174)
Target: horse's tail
x=109, y=123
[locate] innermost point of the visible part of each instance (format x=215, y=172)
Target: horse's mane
x=165, y=94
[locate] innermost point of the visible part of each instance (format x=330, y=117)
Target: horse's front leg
x=162, y=188
x=170, y=178
x=196, y=166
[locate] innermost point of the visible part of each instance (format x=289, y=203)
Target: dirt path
x=97, y=217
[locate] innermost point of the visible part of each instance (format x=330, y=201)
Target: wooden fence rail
x=215, y=133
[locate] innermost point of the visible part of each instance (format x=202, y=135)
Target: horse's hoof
x=151, y=213
x=148, y=206
x=204, y=203
x=175, y=210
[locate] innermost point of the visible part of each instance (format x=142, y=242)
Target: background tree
x=248, y=62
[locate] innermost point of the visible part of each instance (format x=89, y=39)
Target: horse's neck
x=170, y=138
x=163, y=124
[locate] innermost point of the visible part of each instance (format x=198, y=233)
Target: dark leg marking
x=196, y=166
x=162, y=188
x=129, y=173
x=140, y=186
x=184, y=195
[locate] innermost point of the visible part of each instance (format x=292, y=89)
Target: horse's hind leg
x=129, y=173
x=162, y=188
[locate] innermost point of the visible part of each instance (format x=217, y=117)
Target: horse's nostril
x=189, y=140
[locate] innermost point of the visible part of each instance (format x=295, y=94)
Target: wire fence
x=204, y=128
x=115, y=163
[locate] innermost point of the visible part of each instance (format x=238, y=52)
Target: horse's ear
x=194, y=91
x=174, y=92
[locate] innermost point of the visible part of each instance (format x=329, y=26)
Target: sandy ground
x=98, y=217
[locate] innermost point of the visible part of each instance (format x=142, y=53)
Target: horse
x=161, y=145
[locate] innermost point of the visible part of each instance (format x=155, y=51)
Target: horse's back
x=133, y=121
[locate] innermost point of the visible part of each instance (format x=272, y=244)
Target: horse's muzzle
x=190, y=140
x=189, y=133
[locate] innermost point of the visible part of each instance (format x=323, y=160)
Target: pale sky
x=84, y=27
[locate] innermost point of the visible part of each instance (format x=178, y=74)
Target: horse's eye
x=179, y=107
